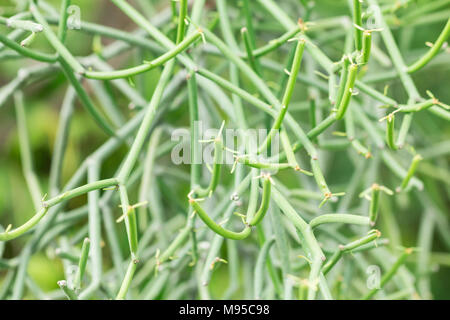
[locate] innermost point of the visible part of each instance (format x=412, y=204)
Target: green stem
x=388, y=275
x=147, y=177
x=366, y=46
x=390, y=132
x=138, y=143
x=249, y=49
x=70, y=294
x=62, y=51
x=434, y=50
x=288, y=150
x=127, y=280
x=216, y=227
x=412, y=169
x=43, y=57
x=357, y=20
x=399, y=171
x=418, y=106
x=287, y=94
x=82, y=264
x=64, y=14
x=348, y=91
x=26, y=25
x=85, y=99
x=339, y=218
x=259, y=268
x=147, y=66
x=276, y=43
x=310, y=243
x=320, y=179
x=394, y=52
x=259, y=215
x=25, y=152
x=374, y=204
x=94, y=231
x=350, y=247
x=129, y=213
x=317, y=54
x=61, y=141
x=263, y=165
x=217, y=168
x=12, y=234
x=181, y=28
x=343, y=80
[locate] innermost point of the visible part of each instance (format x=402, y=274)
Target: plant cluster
x=325, y=218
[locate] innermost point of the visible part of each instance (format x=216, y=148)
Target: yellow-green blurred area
x=43, y=102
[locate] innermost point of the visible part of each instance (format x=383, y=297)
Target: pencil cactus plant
x=336, y=201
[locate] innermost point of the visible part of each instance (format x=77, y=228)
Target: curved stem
x=217, y=168
x=127, y=280
x=339, y=218
x=82, y=264
x=419, y=64
x=85, y=99
x=44, y=57
x=348, y=91
x=12, y=234
x=216, y=227
x=138, y=143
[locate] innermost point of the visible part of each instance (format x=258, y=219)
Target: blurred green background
x=43, y=102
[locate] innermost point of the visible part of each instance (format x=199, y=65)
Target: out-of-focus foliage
x=406, y=212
